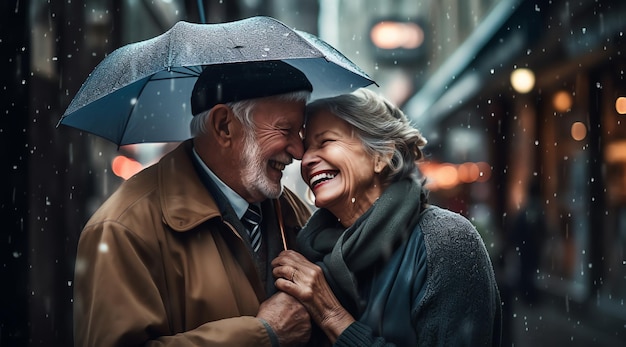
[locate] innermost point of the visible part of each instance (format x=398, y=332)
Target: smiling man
x=189, y=240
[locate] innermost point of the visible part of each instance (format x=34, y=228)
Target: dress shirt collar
x=239, y=204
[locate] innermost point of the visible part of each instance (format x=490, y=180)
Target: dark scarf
x=344, y=253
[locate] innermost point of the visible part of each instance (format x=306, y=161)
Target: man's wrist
x=270, y=333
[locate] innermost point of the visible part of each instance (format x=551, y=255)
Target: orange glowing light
x=468, y=172
x=562, y=101
x=578, y=131
x=125, y=167
x=615, y=152
x=392, y=35
x=620, y=105
x=446, y=176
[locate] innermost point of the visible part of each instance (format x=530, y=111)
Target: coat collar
x=185, y=201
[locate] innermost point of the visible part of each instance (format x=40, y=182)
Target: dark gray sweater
x=437, y=289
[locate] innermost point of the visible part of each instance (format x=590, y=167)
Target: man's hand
x=288, y=318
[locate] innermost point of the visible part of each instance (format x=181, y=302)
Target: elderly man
x=174, y=256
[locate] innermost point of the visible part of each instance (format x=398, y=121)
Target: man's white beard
x=254, y=174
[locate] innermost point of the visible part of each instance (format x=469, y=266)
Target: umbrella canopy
x=141, y=92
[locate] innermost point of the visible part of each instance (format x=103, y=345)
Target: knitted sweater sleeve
x=359, y=334
x=461, y=304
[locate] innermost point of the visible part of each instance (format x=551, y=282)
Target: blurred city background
x=523, y=104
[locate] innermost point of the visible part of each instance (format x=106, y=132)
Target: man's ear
x=220, y=124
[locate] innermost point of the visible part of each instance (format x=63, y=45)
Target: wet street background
x=549, y=322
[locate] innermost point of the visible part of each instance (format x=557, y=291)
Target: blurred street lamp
x=398, y=41
x=125, y=167
x=562, y=101
x=620, y=105
x=522, y=80
x=393, y=35
x=578, y=131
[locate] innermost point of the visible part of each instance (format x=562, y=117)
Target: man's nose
x=296, y=148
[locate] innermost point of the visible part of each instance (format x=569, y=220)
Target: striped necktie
x=251, y=220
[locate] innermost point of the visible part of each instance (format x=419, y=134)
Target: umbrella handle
x=279, y=215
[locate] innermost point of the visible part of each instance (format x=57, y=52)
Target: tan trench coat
x=156, y=267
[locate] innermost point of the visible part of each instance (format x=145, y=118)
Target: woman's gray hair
x=243, y=111
x=382, y=128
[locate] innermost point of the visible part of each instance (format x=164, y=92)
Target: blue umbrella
x=141, y=92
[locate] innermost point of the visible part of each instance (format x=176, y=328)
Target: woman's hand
x=305, y=281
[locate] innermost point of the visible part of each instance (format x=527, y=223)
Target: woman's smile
x=320, y=177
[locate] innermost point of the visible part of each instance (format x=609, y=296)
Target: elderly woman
x=378, y=265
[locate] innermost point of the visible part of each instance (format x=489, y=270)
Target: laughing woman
x=378, y=264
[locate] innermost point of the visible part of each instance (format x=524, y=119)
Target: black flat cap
x=218, y=84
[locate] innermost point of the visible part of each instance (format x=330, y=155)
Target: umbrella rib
x=132, y=109
x=190, y=74
x=186, y=72
x=191, y=71
x=171, y=78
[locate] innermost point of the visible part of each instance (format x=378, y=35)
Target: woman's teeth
x=321, y=177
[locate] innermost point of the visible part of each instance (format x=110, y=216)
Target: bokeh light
x=620, y=105
x=579, y=131
x=523, y=80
